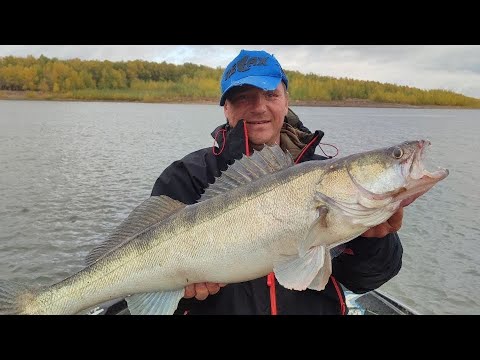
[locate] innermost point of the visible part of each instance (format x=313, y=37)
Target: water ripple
x=71, y=172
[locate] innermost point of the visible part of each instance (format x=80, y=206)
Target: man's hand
x=391, y=225
x=202, y=290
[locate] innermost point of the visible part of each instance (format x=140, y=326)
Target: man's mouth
x=258, y=122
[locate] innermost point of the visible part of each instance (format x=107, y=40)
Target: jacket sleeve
x=368, y=263
x=185, y=180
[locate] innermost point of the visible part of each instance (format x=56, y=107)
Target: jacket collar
x=294, y=137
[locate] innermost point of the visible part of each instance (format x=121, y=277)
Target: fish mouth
x=418, y=179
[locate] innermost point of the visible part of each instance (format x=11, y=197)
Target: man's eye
x=239, y=98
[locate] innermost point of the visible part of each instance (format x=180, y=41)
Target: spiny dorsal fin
x=249, y=168
x=151, y=211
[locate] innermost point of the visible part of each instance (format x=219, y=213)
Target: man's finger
x=378, y=231
x=201, y=291
x=213, y=288
x=189, y=291
x=395, y=220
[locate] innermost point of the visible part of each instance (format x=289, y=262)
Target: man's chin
x=257, y=146
x=258, y=140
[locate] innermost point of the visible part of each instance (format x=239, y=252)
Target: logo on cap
x=244, y=64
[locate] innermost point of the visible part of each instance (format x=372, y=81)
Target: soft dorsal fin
x=148, y=213
x=249, y=168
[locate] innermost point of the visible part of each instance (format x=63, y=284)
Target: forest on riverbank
x=46, y=78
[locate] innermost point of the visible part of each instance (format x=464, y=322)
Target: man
x=255, y=103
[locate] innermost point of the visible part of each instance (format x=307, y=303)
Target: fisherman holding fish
x=258, y=224
x=255, y=102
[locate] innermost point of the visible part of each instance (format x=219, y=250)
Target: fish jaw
x=418, y=179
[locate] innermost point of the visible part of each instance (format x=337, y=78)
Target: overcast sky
x=448, y=67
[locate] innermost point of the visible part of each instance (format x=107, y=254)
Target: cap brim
x=262, y=82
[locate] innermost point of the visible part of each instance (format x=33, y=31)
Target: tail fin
x=12, y=297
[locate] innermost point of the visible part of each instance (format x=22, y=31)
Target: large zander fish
x=261, y=215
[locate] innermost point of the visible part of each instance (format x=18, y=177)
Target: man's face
x=263, y=112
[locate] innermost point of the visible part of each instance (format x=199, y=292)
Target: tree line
x=138, y=80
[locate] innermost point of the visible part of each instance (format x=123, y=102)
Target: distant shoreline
x=21, y=95
x=370, y=104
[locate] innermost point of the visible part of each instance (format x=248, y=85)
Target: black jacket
x=366, y=264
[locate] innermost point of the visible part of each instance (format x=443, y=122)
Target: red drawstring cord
x=223, y=131
x=273, y=295
x=245, y=133
x=333, y=146
x=305, y=149
x=343, y=307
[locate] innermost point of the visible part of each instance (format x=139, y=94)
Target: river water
x=72, y=171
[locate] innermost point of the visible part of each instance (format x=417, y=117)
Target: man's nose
x=259, y=102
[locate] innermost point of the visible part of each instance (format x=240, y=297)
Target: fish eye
x=397, y=152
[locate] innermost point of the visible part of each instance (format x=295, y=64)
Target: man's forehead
x=245, y=88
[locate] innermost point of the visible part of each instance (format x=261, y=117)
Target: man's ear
x=225, y=110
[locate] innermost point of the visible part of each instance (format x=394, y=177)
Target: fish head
x=397, y=172
x=387, y=179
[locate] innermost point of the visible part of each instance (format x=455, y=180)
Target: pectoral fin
x=321, y=280
x=158, y=303
x=313, y=237
x=297, y=272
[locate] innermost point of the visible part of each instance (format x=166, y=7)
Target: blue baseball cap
x=256, y=68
